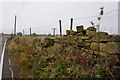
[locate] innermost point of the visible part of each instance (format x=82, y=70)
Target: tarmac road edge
x=2, y=58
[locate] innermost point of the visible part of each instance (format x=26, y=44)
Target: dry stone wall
x=95, y=42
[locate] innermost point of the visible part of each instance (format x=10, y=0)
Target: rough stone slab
x=74, y=32
x=80, y=28
x=103, y=47
x=86, y=44
x=79, y=41
x=95, y=39
x=110, y=47
x=90, y=33
x=68, y=32
x=96, y=52
x=102, y=33
x=95, y=46
x=85, y=37
x=79, y=34
x=87, y=50
x=91, y=29
x=101, y=53
x=113, y=47
x=88, y=40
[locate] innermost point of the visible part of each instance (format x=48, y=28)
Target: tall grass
x=34, y=60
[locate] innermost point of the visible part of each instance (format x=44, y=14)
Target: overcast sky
x=43, y=16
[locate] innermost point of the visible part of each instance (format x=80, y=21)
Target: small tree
x=19, y=34
x=49, y=34
x=99, y=18
x=34, y=34
x=92, y=23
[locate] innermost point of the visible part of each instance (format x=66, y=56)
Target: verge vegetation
x=43, y=58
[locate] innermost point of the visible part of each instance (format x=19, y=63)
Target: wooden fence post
x=60, y=27
x=71, y=24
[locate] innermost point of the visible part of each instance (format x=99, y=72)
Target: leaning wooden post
x=71, y=24
x=60, y=27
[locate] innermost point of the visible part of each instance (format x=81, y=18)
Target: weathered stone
x=85, y=37
x=105, y=40
x=74, y=32
x=79, y=41
x=68, y=32
x=113, y=47
x=90, y=33
x=103, y=54
x=91, y=51
x=115, y=38
x=80, y=28
x=96, y=52
x=86, y=44
x=110, y=47
x=95, y=39
x=102, y=34
x=79, y=34
x=109, y=40
x=71, y=39
x=87, y=50
x=88, y=40
x=84, y=32
x=95, y=46
x=91, y=29
x=103, y=47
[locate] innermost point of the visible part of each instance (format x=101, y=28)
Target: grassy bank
x=34, y=59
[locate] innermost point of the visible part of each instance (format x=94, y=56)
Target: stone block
x=80, y=34
x=90, y=33
x=102, y=34
x=88, y=40
x=80, y=28
x=91, y=29
x=110, y=47
x=68, y=32
x=113, y=47
x=103, y=47
x=103, y=54
x=85, y=37
x=95, y=39
x=106, y=40
x=96, y=52
x=74, y=32
x=86, y=44
x=95, y=46
x=79, y=41
x=116, y=38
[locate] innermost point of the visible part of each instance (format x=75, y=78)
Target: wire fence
x=55, y=24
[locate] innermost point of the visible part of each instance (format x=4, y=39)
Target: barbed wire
x=75, y=19
x=95, y=15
